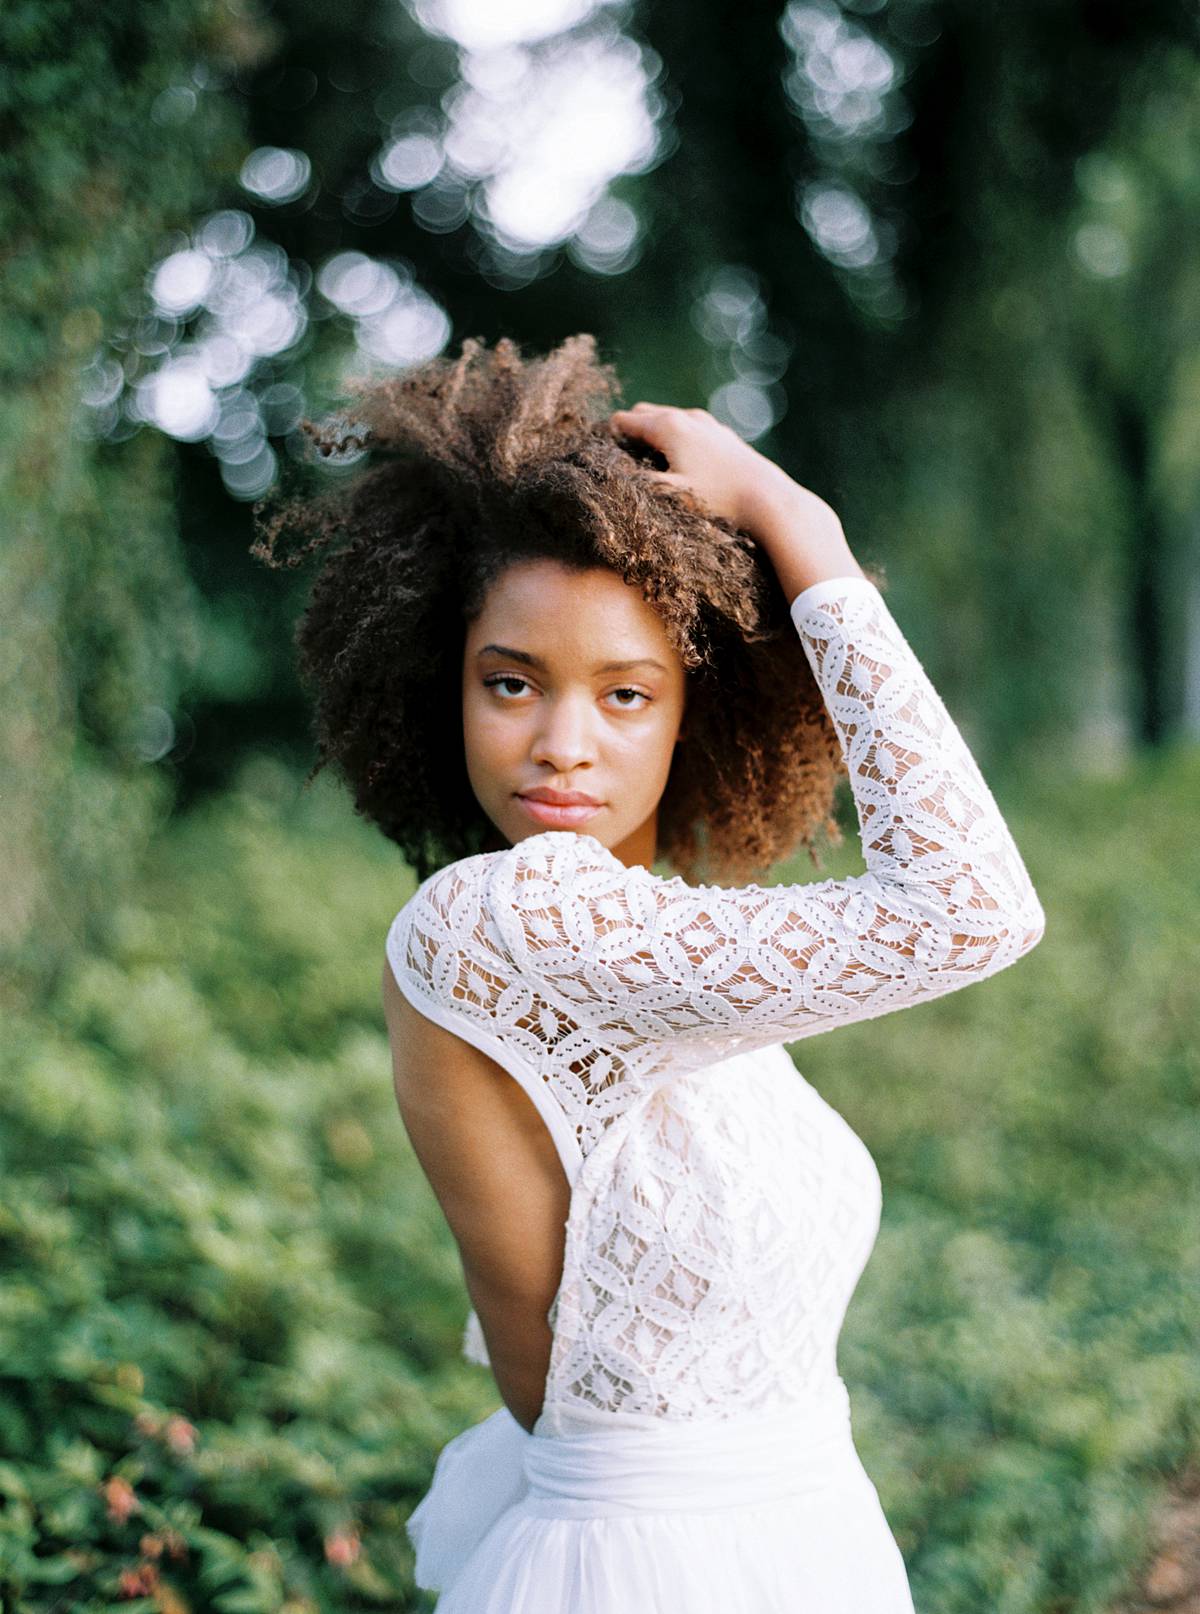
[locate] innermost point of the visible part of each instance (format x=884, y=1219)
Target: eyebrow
x=533, y=661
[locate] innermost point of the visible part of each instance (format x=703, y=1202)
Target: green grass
x=210, y=1214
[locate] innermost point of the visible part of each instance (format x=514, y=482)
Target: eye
x=504, y=678
x=640, y=694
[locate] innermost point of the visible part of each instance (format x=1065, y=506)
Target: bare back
x=497, y=1176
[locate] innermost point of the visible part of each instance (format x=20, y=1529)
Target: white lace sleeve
x=631, y=957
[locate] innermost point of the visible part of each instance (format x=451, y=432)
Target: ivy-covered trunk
x=96, y=163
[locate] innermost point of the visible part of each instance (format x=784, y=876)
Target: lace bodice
x=721, y=1211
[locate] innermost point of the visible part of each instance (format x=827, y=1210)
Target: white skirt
x=761, y=1513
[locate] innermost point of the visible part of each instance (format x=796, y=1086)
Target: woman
x=560, y=644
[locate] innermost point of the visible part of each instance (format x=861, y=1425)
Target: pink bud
x=180, y=1436
x=121, y=1498
x=342, y=1547
x=138, y=1582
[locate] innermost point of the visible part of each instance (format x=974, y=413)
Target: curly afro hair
x=492, y=457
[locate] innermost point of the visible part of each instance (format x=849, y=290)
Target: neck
x=640, y=847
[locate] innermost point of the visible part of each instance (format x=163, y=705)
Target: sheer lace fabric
x=721, y=1211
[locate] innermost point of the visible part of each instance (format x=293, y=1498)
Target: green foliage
x=1022, y=1346
x=225, y=1283
x=230, y=1311
x=97, y=163
x=84, y=189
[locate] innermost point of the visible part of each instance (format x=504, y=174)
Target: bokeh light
x=607, y=239
x=552, y=104
x=840, y=223
x=412, y=158
x=274, y=174
x=845, y=85
x=731, y=315
x=1103, y=250
x=178, y=399
x=840, y=75
x=396, y=323
x=485, y=27
x=223, y=303
x=179, y=283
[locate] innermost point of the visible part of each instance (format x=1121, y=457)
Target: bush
x=1022, y=1347
x=230, y=1313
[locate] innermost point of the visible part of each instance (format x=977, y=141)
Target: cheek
x=668, y=718
x=487, y=739
x=641, y=754
x=473, y=741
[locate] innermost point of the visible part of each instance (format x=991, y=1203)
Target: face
x=571, y=687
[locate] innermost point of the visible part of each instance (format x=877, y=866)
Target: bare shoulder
x=456, y=1101
x=419, y=1045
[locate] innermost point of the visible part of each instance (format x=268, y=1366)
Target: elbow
x=1024, y=927
x=1027, y=920
x=1030, y=924
x=1013, y=930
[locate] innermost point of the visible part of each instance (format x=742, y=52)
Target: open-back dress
x=694, y=1451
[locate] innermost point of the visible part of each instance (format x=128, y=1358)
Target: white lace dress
x=694, y=1451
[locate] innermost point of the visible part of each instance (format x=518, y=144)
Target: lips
x=559, y=798
x=558, y=809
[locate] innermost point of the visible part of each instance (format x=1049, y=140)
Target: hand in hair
x=708, y=460
x=801, y=534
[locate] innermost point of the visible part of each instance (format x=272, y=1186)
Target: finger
x=642, y=407
x=646, y=420
x=642, y=424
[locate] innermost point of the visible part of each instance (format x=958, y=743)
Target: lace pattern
x=595, y=984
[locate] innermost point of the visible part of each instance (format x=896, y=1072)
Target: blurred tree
x=1072, y=593
x=105, y=142
x=1136, y=354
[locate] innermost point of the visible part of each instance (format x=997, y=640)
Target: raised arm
x=946, y=900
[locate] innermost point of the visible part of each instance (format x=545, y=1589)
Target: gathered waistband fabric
x=739, y=1461
x=613, y=1469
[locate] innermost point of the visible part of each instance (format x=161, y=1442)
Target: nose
x=564, y=738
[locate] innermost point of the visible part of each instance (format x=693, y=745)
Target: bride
x=557, y=644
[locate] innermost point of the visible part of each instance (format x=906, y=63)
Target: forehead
x=562, y=613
